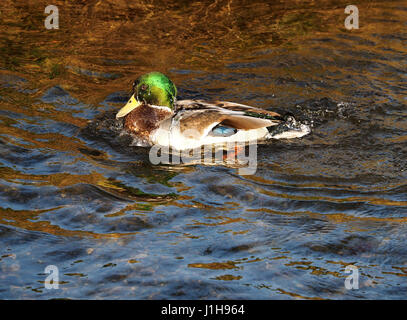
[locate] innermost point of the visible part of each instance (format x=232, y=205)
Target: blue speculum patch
x=223, y=131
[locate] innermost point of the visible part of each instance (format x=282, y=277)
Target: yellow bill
x=130, y=106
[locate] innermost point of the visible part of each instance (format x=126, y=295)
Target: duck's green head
x=152, y=88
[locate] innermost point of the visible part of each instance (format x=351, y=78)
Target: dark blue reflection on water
x=78, y=197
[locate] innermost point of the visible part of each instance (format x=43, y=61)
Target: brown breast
x=144, y=119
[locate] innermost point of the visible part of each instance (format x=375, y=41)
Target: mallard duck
x=155, y=117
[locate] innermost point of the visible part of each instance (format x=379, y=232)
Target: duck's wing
x=248, y=109
x=201, y=116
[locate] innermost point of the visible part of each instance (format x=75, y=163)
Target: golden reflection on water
x=23, y=219
x=102, y=46
x=119, y=37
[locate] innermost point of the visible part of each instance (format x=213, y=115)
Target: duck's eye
x=144, y=87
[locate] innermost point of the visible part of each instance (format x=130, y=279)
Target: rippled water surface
x=117, y=226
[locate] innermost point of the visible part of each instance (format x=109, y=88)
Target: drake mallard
x=155, y=117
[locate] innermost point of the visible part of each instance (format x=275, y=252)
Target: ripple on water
x=74, y=194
